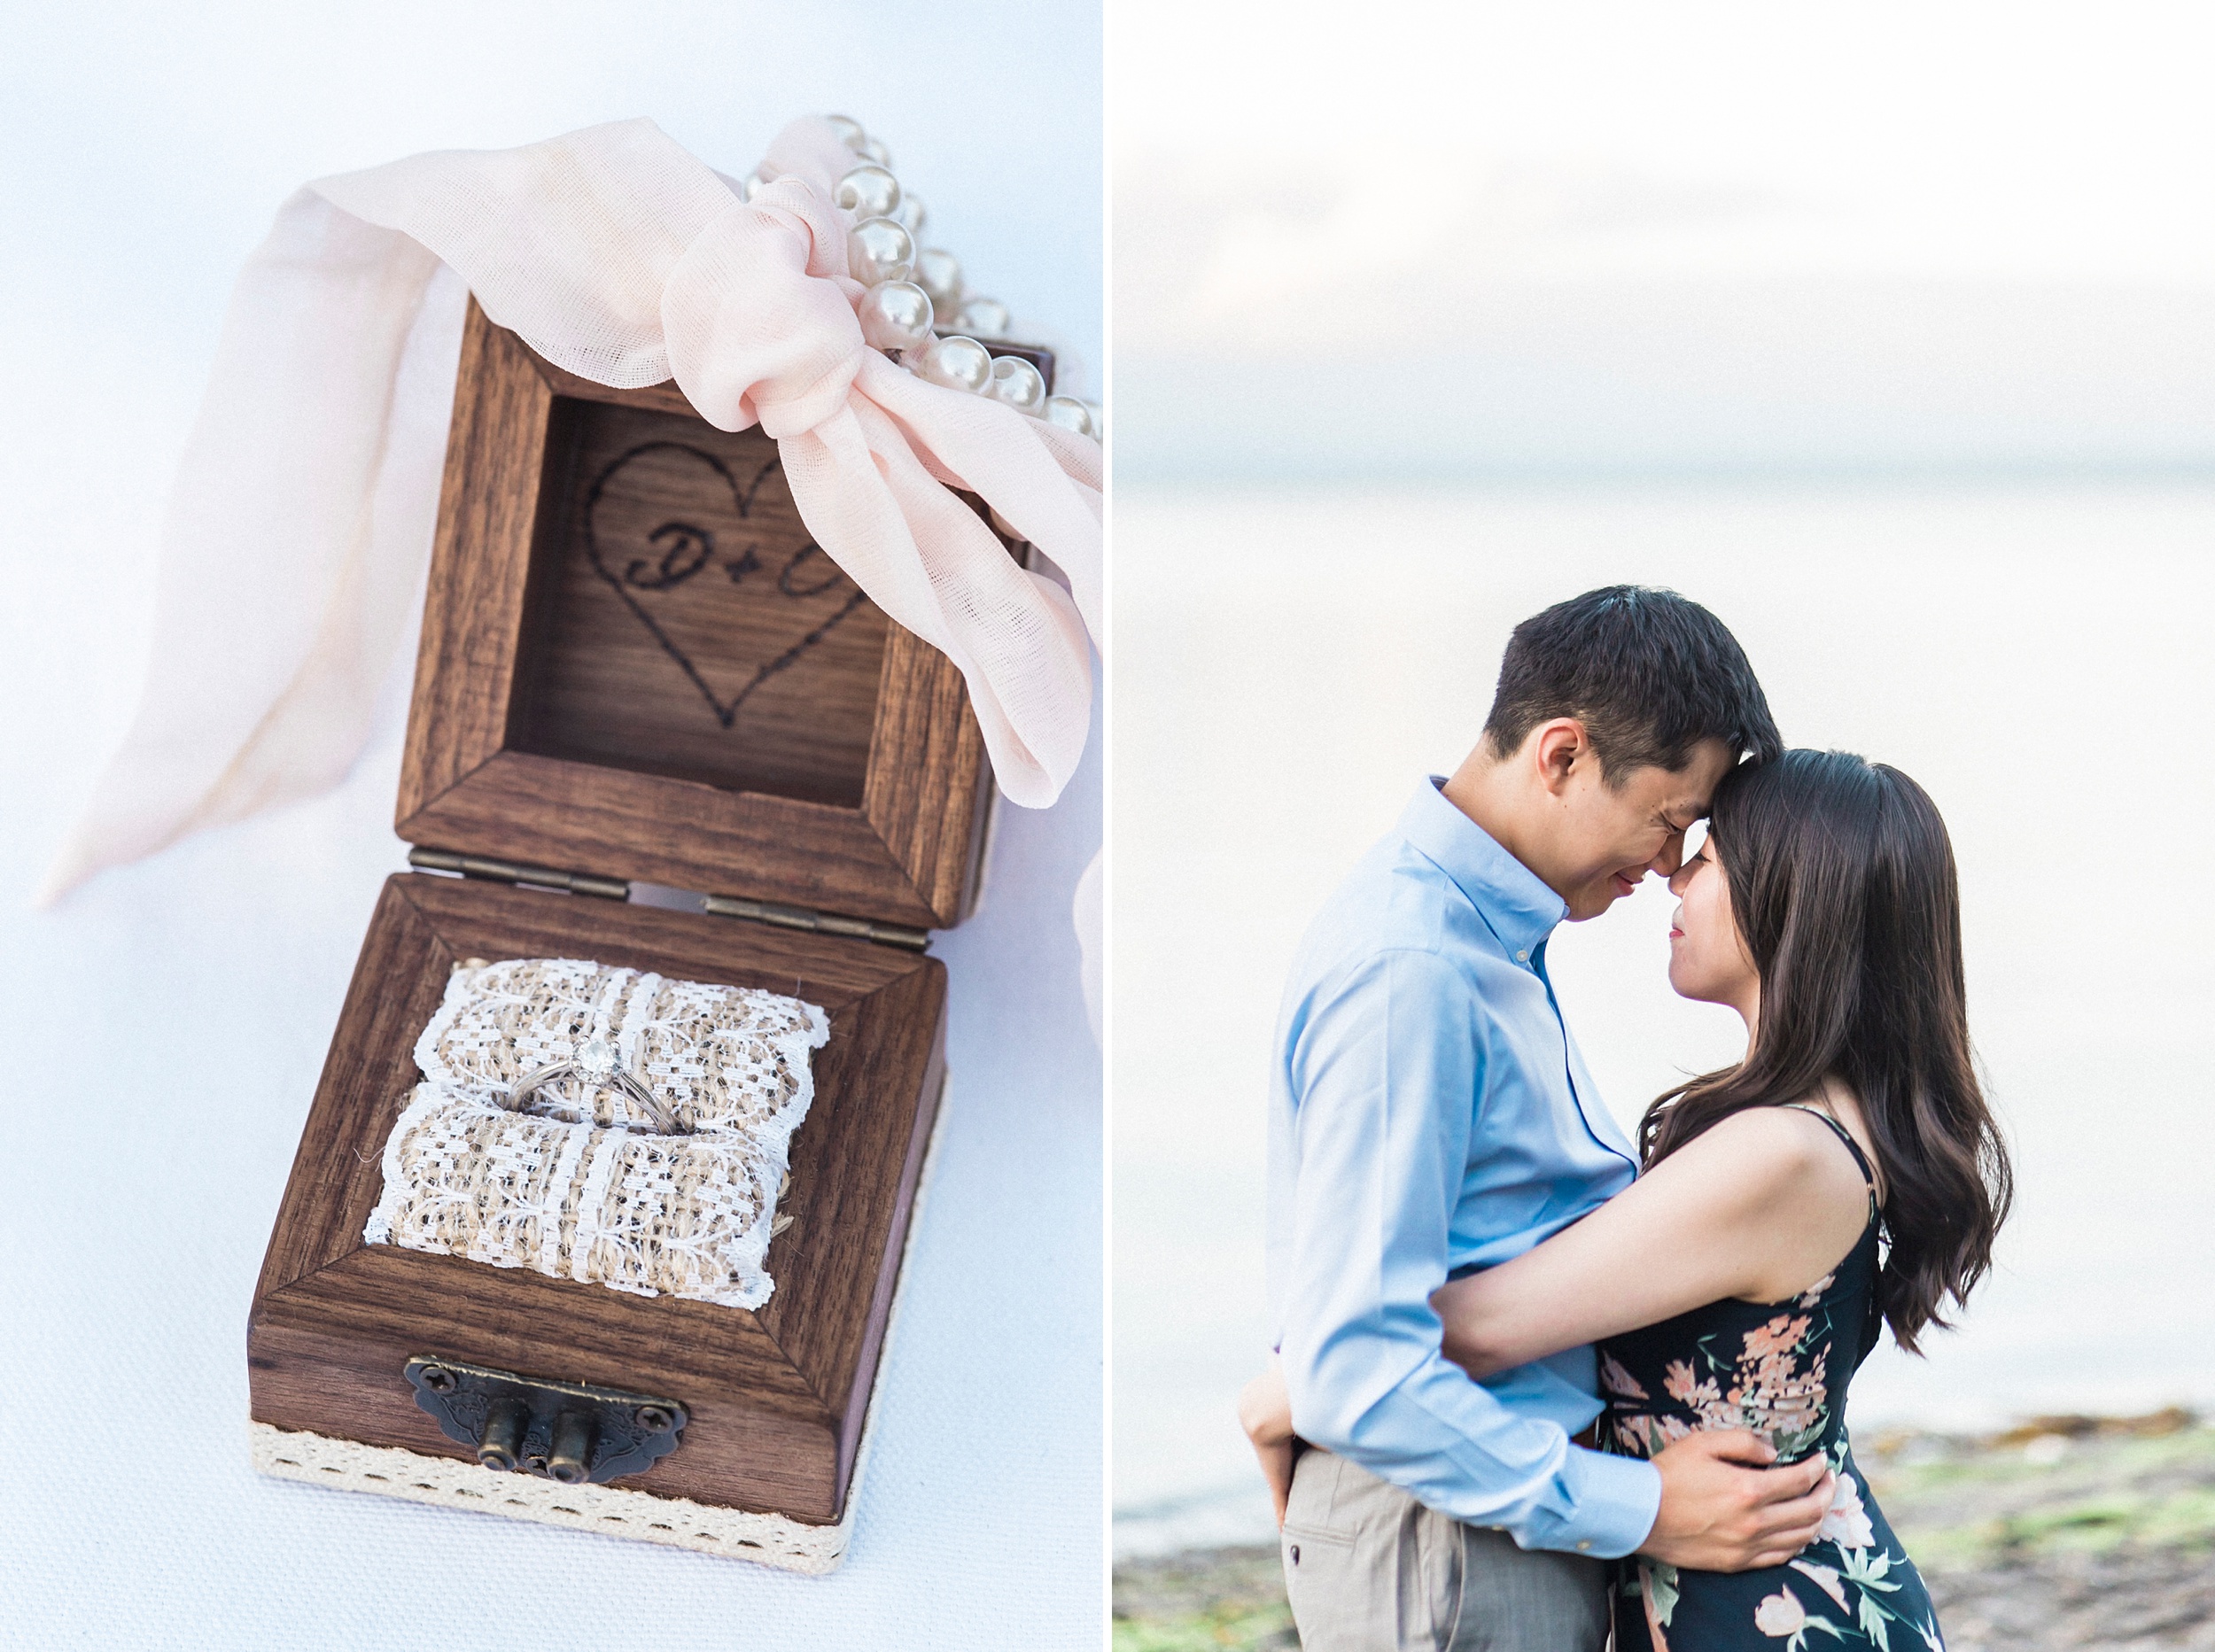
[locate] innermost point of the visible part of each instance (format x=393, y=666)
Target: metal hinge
x=509, y=872
x=719, y=905
x=814, y=922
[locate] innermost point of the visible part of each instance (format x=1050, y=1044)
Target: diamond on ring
x=599, y=1064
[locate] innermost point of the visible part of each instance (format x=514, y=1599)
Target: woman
x=1741, y=1280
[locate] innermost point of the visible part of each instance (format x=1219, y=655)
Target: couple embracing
x=1532, y=1380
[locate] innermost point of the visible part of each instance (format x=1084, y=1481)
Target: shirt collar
x=1508, y=895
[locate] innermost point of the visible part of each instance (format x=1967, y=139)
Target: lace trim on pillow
x=723, y=1058
x=676, y=1215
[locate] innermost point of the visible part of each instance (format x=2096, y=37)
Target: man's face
x=1612, y=836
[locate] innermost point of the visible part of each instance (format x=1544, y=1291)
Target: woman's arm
x=1759, y=1207
x=1265, y=1414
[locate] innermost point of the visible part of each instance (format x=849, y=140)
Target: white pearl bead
x=750, y=186
x=879, y=249
x=868, y=192
x=957, y=363
x=897, y=316
x=1070, y=415
x=984, y=318
x=1018, y=383
x=938, y=272
x=912, y=213
x=875, y=152
x=848, y=131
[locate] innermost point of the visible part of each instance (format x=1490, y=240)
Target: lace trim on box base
x=767, y=1540
x=445, y=1483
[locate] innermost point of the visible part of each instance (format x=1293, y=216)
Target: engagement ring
x=597, y=1063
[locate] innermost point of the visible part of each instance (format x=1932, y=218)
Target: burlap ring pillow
x=574, y=1185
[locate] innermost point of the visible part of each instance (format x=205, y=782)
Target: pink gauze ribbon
x=300, y=521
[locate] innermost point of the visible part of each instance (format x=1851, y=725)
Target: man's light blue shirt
x=1429, y=1115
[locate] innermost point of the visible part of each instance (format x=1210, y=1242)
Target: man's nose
x=1677, y=880
x=1670, y=860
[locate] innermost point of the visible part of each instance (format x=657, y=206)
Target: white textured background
x=166, y=1026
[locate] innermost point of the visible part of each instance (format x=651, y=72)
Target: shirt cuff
x=1612, y=1502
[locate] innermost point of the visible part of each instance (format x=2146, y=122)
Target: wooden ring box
x=636, y=666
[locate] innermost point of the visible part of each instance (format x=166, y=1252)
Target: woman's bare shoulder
x=1778, y=1180
x=1768, y=1153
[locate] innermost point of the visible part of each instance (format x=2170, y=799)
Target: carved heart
x=647, y=567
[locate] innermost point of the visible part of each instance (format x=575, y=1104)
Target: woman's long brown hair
x=1842, y=882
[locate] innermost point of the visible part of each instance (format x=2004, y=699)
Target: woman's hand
x=1265, y=1414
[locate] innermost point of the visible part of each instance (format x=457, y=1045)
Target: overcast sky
x=1622, y=236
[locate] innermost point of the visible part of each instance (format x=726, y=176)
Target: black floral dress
x=1780, y=1368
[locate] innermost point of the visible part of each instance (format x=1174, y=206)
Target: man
x=1430, y=1116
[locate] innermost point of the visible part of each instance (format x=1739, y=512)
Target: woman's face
x=1707, y=958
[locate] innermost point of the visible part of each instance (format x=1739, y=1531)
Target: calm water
x=2038, y=657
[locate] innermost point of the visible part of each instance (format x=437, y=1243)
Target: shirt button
x=1586, y=1544
x=1523, y=957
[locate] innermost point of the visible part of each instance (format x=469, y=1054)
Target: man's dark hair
x=1649, y=673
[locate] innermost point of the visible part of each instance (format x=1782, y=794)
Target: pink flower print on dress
x=1777, y=1339
x=1813, y=1294
x=1659, y=1592
x=1618, y=1383
x=1688, y=1389
x=1780, y=1615
x=1845, y=1521
x=1772, y=1393
x=1826, y=1578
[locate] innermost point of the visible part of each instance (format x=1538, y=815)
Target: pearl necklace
x=910, y=287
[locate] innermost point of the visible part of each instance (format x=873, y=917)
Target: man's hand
x=1265, y=1414
x=1723, y=1510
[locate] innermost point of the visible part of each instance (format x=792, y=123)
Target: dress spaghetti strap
x=1869, y=1176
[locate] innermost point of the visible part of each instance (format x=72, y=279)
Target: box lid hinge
x=814, y=922
x=510, y=872
x=721, y=905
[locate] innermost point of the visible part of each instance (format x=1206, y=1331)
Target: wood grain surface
x=551, y=723
x=684, y=621
x=778, y=1395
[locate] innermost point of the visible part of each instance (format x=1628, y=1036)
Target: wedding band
x=596, y=1062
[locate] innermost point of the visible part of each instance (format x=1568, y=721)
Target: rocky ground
x=2073, y=1532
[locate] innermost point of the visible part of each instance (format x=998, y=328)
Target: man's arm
x=1723, y=1507
x=1385, y=1073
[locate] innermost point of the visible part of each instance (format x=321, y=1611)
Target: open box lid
x=637, y=665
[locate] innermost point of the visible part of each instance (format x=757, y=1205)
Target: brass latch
x=571, y=1433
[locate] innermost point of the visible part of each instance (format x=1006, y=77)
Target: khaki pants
x=1370, y=1569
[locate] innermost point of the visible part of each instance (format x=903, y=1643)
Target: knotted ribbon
x=300, y=523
